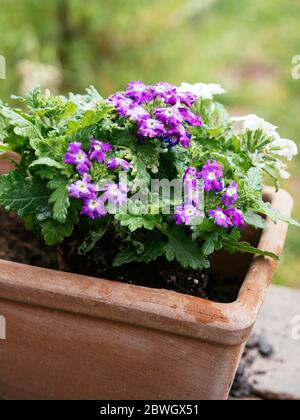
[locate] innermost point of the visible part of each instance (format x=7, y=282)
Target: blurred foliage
x=246, y=46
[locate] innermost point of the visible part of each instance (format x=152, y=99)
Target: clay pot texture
x=75, y=337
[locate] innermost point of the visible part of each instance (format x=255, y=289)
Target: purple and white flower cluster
x=212, y=175
x=160, y=111
x=94, y=198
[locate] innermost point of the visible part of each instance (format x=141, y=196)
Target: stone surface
x=278, y=376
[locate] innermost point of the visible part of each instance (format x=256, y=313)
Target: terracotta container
x=74, y=337
x=6, y=162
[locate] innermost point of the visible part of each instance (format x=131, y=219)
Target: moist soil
x=256, y=347
x=19, y=245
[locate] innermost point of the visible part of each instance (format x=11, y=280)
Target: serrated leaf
x=184, y=250
x=254, y=180
x=254, y=219
x=21, y=126
x=88, y=119
x=96, y=232
x=212, y=243
x=25, y=196
x=54, y=232
x=61, y=202
x=33, y=98
x=142, y=174
x=148, y=153
x=231, y=245
x=153, y=249
x=46, y=161
x=268, y=210
x=27, y=131
x=135, y=222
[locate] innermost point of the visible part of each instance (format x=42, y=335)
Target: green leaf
x=212, y=243
x=90, y=242
x=46, y=161
x=54, y=232
x=148, y=153
x=88, y=119
x=142, y=174
x=254, y=219
x=25, y=196
x=61, y=202
x=135, y=222
x=4, y=148
x=154, y=247
x=27, y=131
x=232, y=245
x=268, y=210
x=33, y=98
x=184, y=250
x=254, y=180
x=21, y=125
x=96, y=230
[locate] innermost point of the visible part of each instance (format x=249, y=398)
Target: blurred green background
x=246, y=46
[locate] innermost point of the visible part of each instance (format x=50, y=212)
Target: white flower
x=202, y=90
x=90, y=106
x=257, y=160
x=284, y=147
x=281, y=168
x=252, y=122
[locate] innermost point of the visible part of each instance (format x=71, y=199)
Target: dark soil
x=19, y=245
x=257, y=346
x=159, y=274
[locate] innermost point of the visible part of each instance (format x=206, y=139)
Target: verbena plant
x=74, y=149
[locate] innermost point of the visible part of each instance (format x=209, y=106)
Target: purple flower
x=93, y=208
x=138, y=91
x=220, y=218
x=121, y=103
x=191, y=118
x=185, y=98
x=76, y=156
x=82, y=189
x=117, y=163
x=162, y=90
x=151, y=128
x=190, y=178
x=116, y=98
x=212, y=174
x=186, y=214
x=185, y=142
x=190, y=174
x=236, y=217
x=170, y=142
x=124, y=106
x=231, y=194
x=192, y=189
x=98, y=150
x=181, y=134
x=115, y=194
x=138, y=114
x=169, y=116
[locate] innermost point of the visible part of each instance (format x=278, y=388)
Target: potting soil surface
x=20, y=245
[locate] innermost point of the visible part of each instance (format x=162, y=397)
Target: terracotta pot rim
x=226, y=324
